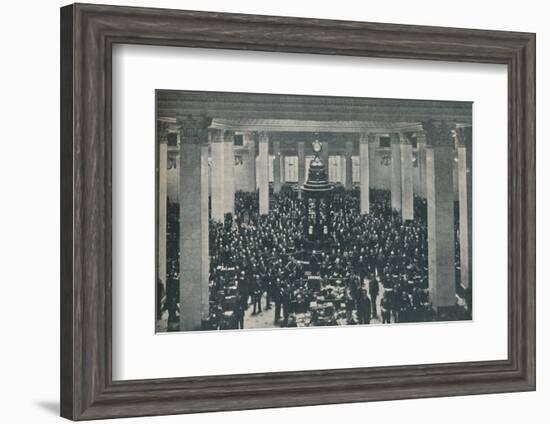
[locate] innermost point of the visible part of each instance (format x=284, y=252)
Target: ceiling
x=306, y=113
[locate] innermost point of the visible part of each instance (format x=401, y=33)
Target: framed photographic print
x=263, y=211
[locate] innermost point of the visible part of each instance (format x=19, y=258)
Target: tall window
x=335, y=169
x=291, y=169
x=343, y=169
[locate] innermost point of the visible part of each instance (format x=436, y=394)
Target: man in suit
x=363, y=306
x=374, y=289
x=243, y=292
x=350, y=305
x=385, y=308
x=277, y=300
x=285, y=302
x=257, y=295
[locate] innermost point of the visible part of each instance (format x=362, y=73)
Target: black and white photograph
x=291, y=211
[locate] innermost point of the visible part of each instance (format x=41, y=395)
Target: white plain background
x=138, y=70
x=29, y=225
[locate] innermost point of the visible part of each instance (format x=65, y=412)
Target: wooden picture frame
x=88, y=33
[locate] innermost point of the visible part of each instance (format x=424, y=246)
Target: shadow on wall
x=50, y=406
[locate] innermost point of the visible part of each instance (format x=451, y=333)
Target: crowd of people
x=255, y=254
x=256, y=263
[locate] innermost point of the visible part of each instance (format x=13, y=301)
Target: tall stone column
x=324, y=153
x=276, y=166
x=395, y=171
x=223, y=174
x=374, y=142
x=464, y=136
x=194, y=260
x=250, y=142
x=407, y=204
x=173, y=172
x=216, y=173
x=229, y=171
x=263, y=169
x=301, y=167
x=441, y=234
x=162, y=134
x=421, y=163
x=283, y=168
x=348, y=181
x=364, y=165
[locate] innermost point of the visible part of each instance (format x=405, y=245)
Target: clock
x=316, y=146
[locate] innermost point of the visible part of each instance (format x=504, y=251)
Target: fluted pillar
x=464, y=136
x=407, y=205
x=162, y=175
x=223, y=173
x=283, y=168
x=421, y=164
x=374, y=142
x=324, y=153
x=440, y=196
x=250, y=142
x=263, y=168
x=365, y=168
x=276, y=166
x=194, y=260
x=173, y=176
x=395, y=171
x=348, y=181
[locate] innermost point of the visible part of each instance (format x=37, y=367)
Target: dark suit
x=373, y=291
x=363, y=308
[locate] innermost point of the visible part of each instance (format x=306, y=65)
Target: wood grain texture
x=88, y=33
x=66, y=210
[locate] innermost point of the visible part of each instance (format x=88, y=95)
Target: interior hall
x=303, y=211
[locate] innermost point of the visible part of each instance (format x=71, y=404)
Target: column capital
x=464, y=136
x=399, y=138
x=406, y=138
x=221, y=135
x=250, y=135
x=193, y=128
x=263, y=136
x=420, y=137
x=438, y=133
x=367, y=137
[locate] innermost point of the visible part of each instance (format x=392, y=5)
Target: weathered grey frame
x=88, y=33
